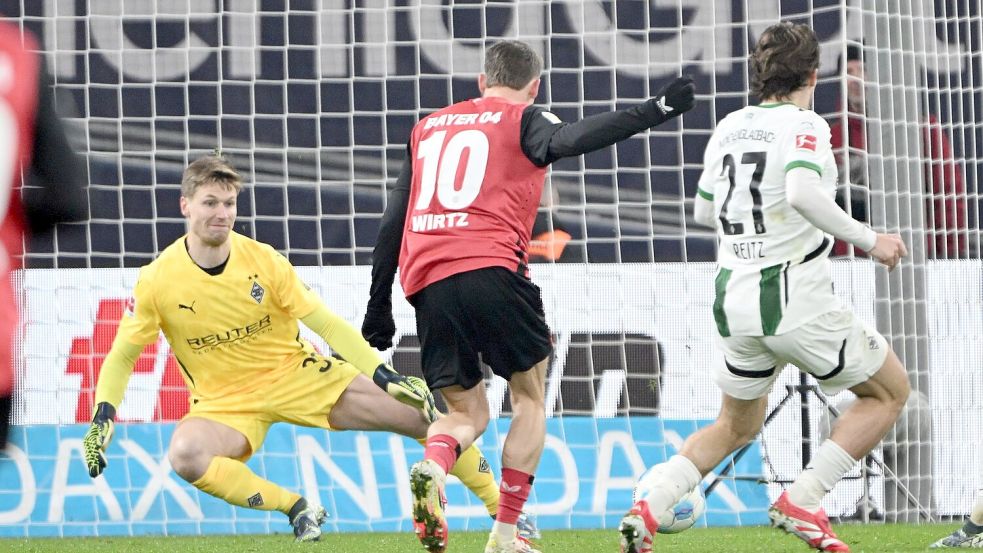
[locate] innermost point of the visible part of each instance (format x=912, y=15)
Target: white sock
x=827, y=467
x=678, y=476
x=504, y=532
x=976, y=515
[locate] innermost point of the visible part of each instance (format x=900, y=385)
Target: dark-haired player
x=767, y=186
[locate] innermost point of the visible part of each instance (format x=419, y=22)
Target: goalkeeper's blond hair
x=210, y=169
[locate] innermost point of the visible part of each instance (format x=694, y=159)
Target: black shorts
x=490, y=315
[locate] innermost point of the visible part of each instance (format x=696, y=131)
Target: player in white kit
x=767, y=187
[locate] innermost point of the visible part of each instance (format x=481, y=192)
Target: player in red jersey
x=458, y=225
x=33, y=151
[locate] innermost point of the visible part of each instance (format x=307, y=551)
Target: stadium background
x=313, y=101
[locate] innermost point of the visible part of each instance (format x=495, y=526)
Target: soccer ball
x=683, y=515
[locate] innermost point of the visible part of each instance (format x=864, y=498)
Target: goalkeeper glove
x=96, y=440
x=410, y=390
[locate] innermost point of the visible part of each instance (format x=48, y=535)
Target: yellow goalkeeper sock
x=232, y=481
x=473, y=471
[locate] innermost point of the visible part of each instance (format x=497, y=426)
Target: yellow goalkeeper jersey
x=232, y=333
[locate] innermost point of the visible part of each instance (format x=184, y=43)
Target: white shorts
x=836, y=348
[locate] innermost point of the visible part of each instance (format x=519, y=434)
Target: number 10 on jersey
x=441, y=163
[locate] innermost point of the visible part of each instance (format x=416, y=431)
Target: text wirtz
x=434, y=221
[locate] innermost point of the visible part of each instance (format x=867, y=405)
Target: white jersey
x=773, y=274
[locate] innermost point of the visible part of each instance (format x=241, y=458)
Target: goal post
x=895, y=108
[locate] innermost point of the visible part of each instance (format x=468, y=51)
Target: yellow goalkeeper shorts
x=303, y=397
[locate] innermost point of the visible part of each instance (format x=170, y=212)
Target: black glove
x=378, y=328
x=96, y=440
x=675, y=98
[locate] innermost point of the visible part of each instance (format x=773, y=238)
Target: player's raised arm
x=546, y=139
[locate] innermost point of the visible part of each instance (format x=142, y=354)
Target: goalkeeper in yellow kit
x=229, y=305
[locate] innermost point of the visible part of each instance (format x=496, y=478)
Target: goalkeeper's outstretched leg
x=209, y=455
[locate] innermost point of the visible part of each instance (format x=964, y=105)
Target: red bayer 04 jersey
x=473, y=196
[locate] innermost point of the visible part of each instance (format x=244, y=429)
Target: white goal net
x=313, y=101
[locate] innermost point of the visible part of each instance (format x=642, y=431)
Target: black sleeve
x=55, y=191
x=385, y=256
x=545, y=139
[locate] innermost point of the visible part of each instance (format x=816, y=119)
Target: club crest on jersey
x=805, y=142
x=257, y=292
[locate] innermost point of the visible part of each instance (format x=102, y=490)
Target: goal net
x=313, y=101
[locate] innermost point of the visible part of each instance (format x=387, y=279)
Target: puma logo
x=188, y=307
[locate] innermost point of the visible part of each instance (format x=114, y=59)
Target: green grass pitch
x=879, y=538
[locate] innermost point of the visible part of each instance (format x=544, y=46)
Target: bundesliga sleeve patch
x=805, y=142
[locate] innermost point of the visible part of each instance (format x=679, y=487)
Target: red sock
x=514, y=492
x=442, y=449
